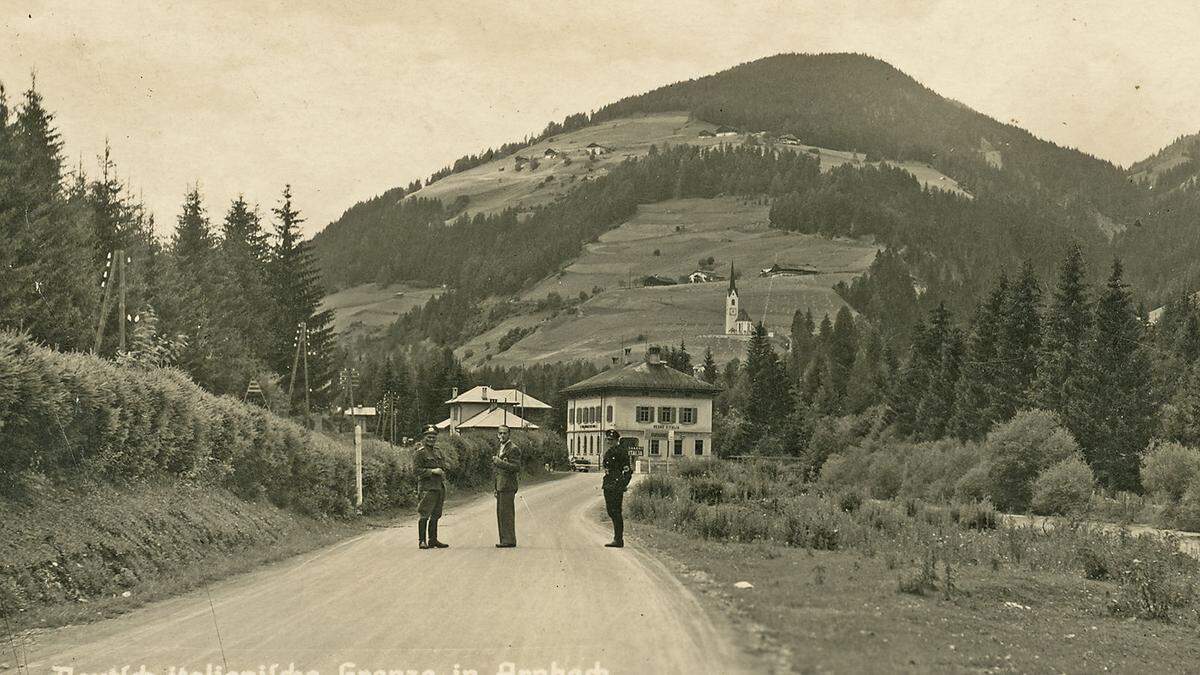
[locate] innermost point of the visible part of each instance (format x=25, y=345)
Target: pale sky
x=346, y=99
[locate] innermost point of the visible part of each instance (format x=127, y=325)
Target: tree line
x=220, y=301
x=1082, y=352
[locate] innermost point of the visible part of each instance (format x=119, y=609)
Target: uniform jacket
x=508, y=466
x=425, y=460
x=617, y=469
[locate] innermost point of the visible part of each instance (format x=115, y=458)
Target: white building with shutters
x=667, y=412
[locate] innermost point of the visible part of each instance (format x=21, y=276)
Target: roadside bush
x=977, y=515
x=656, y=485
x=70, y=414
x=1019, y=450
x=695, y=468
x=886, y=476
x=1064, y=488
x=1186, y=515
x=1170, y=468
x=975, y=484
x=707, y=490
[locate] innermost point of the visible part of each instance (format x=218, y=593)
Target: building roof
x=732, y=277
x=485, y=394
x=743, y=315
x=643, y=377
x=726, y=129
x=491, y=419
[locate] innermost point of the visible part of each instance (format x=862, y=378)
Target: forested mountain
x=852, y=101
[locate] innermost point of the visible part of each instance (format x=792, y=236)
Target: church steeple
x=731, y=305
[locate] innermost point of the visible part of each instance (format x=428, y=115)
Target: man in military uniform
x=617, y=474
x=507, y=462
x=430, y=467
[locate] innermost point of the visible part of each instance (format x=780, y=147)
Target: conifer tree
x=1111, y=404
x=973, y=405
x=1017, y=352
x=843, y=345
x=868, y=380
x=50, y=281
x=297, y=297
x=770, y=399
x=244, y=259
x=710, y=367
x=1067, y=324
x=803, y=343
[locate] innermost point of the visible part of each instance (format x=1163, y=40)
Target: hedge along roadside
x=62, y=414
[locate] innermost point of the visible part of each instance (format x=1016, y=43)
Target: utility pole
x=104, y=283
x=121, y=302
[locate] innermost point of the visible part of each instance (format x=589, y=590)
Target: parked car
x=581, y=464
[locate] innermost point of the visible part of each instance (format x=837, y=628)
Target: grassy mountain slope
x=725, y=229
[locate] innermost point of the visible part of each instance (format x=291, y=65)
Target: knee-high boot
x=422, y=523
x=433, y=537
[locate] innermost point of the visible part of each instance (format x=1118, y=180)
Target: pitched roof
x=492, y=419
x=484, y=394
x=643, y=377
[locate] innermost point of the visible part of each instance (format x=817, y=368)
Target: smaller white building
x=485, y=408
x=669, y=413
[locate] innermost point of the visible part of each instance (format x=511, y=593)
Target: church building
x=737, y=319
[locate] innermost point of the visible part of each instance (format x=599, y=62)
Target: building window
x=572, y=445
x=571, y=416
x=645, y=414
x=654, y=446
x=666, y=415
x=678, y=446
x=687, y=415
x=699, y=446
x=610, y=413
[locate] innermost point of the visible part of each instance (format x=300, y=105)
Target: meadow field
x=839, y=583
x=669, y=239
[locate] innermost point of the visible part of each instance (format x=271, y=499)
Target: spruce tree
x=770, y=399
x=244, y=259
x=710, y=367
x=843, y=345
x=1067, y=325
x=867, y=381
x=803, y=343
x=51, y=284
x=297, y=298
x=973, y=405
x=1017, y=353
x=1111, y=404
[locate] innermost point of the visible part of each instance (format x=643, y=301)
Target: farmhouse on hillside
x=737, y=319
x=788, y=139
x=705, y=133
x=778, y=270
x=724, y=130
x=595, y=149
x=658, y=280
x=550, y=153
x=668, y=413
x=704, y=276
x=486, y=409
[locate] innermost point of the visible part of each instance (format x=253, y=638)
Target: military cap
x=612, y=433
x=429, y=429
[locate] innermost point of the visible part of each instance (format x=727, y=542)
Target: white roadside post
x=359, y=416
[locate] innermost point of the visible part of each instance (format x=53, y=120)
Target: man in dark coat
x=617, y=474
x=507, y=462
x=430, y=468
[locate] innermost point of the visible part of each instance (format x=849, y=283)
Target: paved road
x=378, y=602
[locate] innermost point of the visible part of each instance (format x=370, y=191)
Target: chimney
x=653, y=356
x=616, y=360
x=484, y=394
x=454, y=393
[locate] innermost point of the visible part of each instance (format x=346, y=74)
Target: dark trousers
x=506, y=516
x=612, y=503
